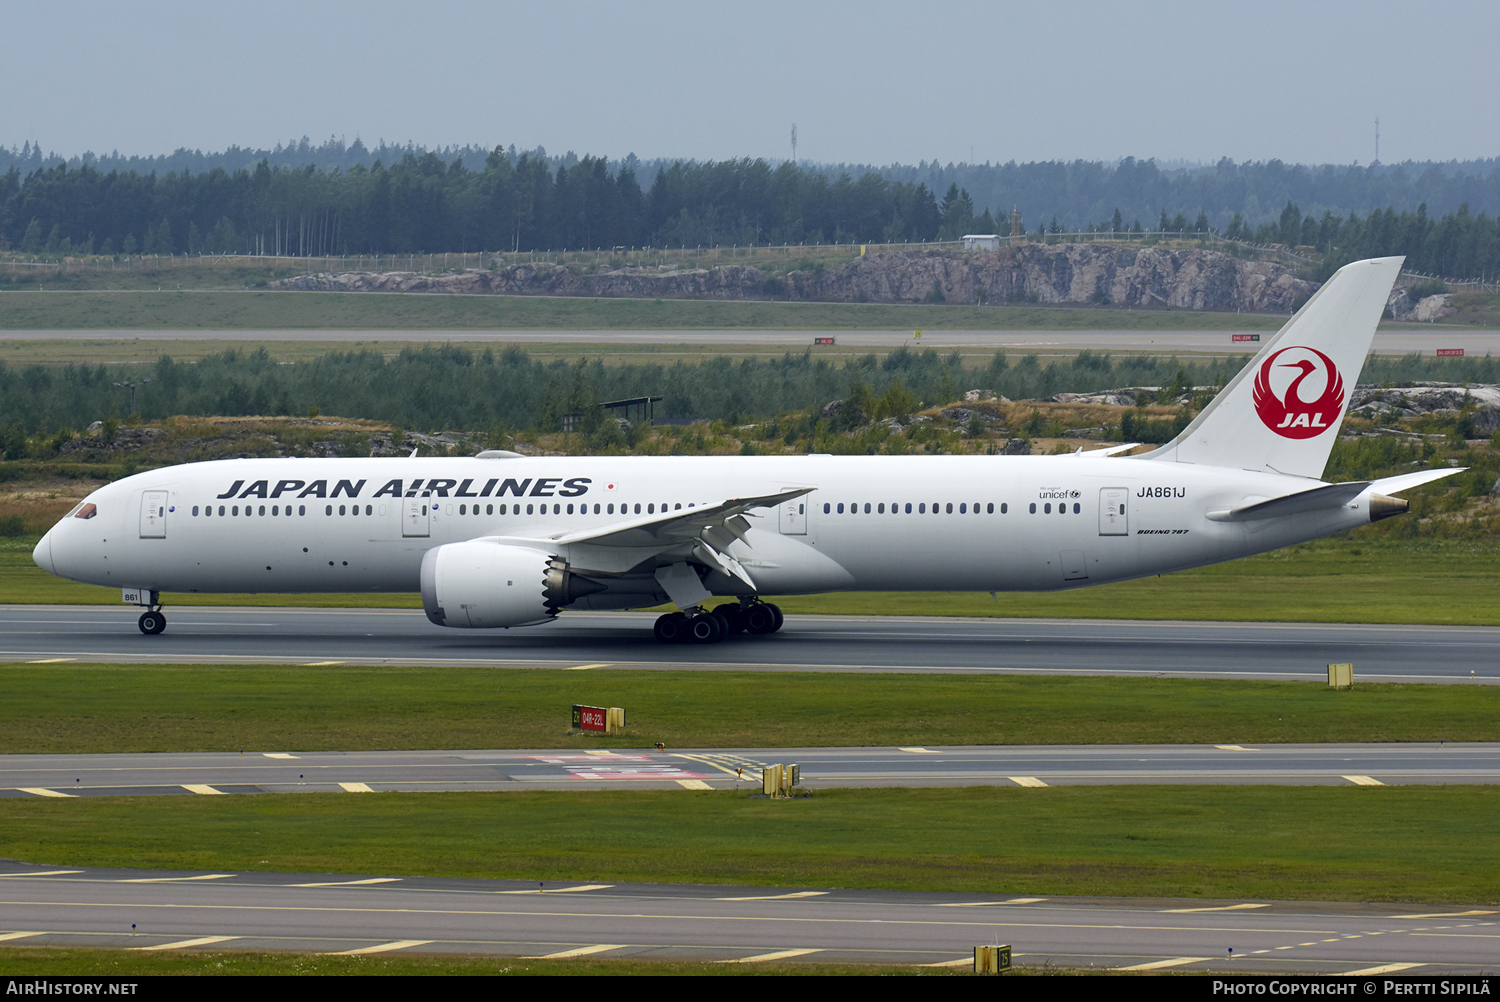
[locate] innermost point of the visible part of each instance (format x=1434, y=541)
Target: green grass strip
x=231, y=310
x=72, y=962
x=1412, y=843
x=152, y=708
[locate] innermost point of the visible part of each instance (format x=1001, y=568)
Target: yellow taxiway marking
x=202, y=789
x=1235, y=748
x=355, y=788
x=777, y=897
x=39, y=873
x=1364, y=780
x=1383, y=969
x=919, y=751
x=173, y=880
x=582, y=951
x=320, y=664
x=1220, y=908
x=351, y=883
x=981, y=904
x=1025, y=781
x=960, y=962
x=693, y=784
x=49, y=661
x=563, y=890
x=778, y=955
x=183, y=944
x=400, y=944
x=1159, y=964
x=1430, y=915
x=604, y=664
x=17, y=935
x=42, y=791
x=277, y=754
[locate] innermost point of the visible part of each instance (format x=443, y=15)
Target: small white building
x=981, y=241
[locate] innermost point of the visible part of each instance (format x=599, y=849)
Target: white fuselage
x=949, y=523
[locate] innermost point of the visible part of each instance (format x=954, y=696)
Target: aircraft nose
x=42, y=554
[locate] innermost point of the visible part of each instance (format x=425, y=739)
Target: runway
x=370, y=914
x=1042, y=342
x=471, y=770
x=249, y=635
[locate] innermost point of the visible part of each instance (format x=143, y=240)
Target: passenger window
x=650, y=509
x=908, y=507
x=841, y=507
x=302, y=509
x=221, y=511
x=950, y=507
x=1033, y=507
x=235, y=510
x=880, y=508
x=528, y=509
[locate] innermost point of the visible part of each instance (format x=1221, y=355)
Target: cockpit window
x=86, y=511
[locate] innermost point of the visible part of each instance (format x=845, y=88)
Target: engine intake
x=483, y=585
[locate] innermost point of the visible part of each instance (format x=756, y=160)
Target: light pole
x=132, y=391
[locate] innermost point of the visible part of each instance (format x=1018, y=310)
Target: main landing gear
x=702, y=627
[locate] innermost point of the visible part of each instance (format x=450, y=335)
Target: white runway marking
x=693, y=784
x=355, y=788
x=277, y=754
x=41, y=791
x=17, y=935
x=777, y=897
x=562, y=890
x=1159, y=964
x=351, y=883
x=185, y=943
x=1384, y=969
x=762, y=957
x=202, y=789
x=1364, y=780
x=1025, y=781
x=400, y=944
x=582, y=951
x=174, y=880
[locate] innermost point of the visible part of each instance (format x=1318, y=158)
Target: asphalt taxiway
x=1277, y=651
x=155, y=910
x=257, y=771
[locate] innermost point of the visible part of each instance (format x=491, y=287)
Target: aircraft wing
x=723, y=521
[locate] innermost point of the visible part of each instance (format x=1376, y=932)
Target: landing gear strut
x=152, y=623
x=703, y=627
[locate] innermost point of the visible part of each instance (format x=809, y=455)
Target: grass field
x=1401, y=843
x=161, y=708
x=1438, y=582
x=57, y=962
x=234, y=310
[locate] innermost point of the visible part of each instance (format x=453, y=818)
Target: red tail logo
x=1289, y=413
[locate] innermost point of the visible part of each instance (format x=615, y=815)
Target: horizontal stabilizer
x=1390, y=485
x=1331, y=496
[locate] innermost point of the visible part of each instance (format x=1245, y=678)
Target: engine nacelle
x=482, y=585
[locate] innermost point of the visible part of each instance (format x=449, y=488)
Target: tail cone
x=1384, y=507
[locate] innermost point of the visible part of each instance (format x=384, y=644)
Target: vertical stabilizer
x=1282, y=412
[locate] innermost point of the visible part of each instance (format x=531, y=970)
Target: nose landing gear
x=152, y=623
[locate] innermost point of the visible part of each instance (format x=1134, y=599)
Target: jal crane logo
x=1305, y=373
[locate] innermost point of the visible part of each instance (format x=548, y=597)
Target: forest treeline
x=445, y=387
x=521, y=201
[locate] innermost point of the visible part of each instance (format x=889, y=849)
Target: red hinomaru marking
x=1291, y=416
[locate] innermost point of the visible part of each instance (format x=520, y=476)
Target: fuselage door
x=417, y=517
x=153, y=514
x=794, y=515
x=1112, y=518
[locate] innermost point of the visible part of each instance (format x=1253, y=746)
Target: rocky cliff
x=1067, y=273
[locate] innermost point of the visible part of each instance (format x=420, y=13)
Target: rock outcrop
x=1065, y=273
x=1402, y=306
x=1439, y=399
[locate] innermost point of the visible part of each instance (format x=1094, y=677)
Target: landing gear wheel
x=760, y=620
x=672, y=628
x=152, y=623
x=707, y=628
x=776, y=611
x=734, y=615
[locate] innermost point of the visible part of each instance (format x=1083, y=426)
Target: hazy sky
x=870, y=81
